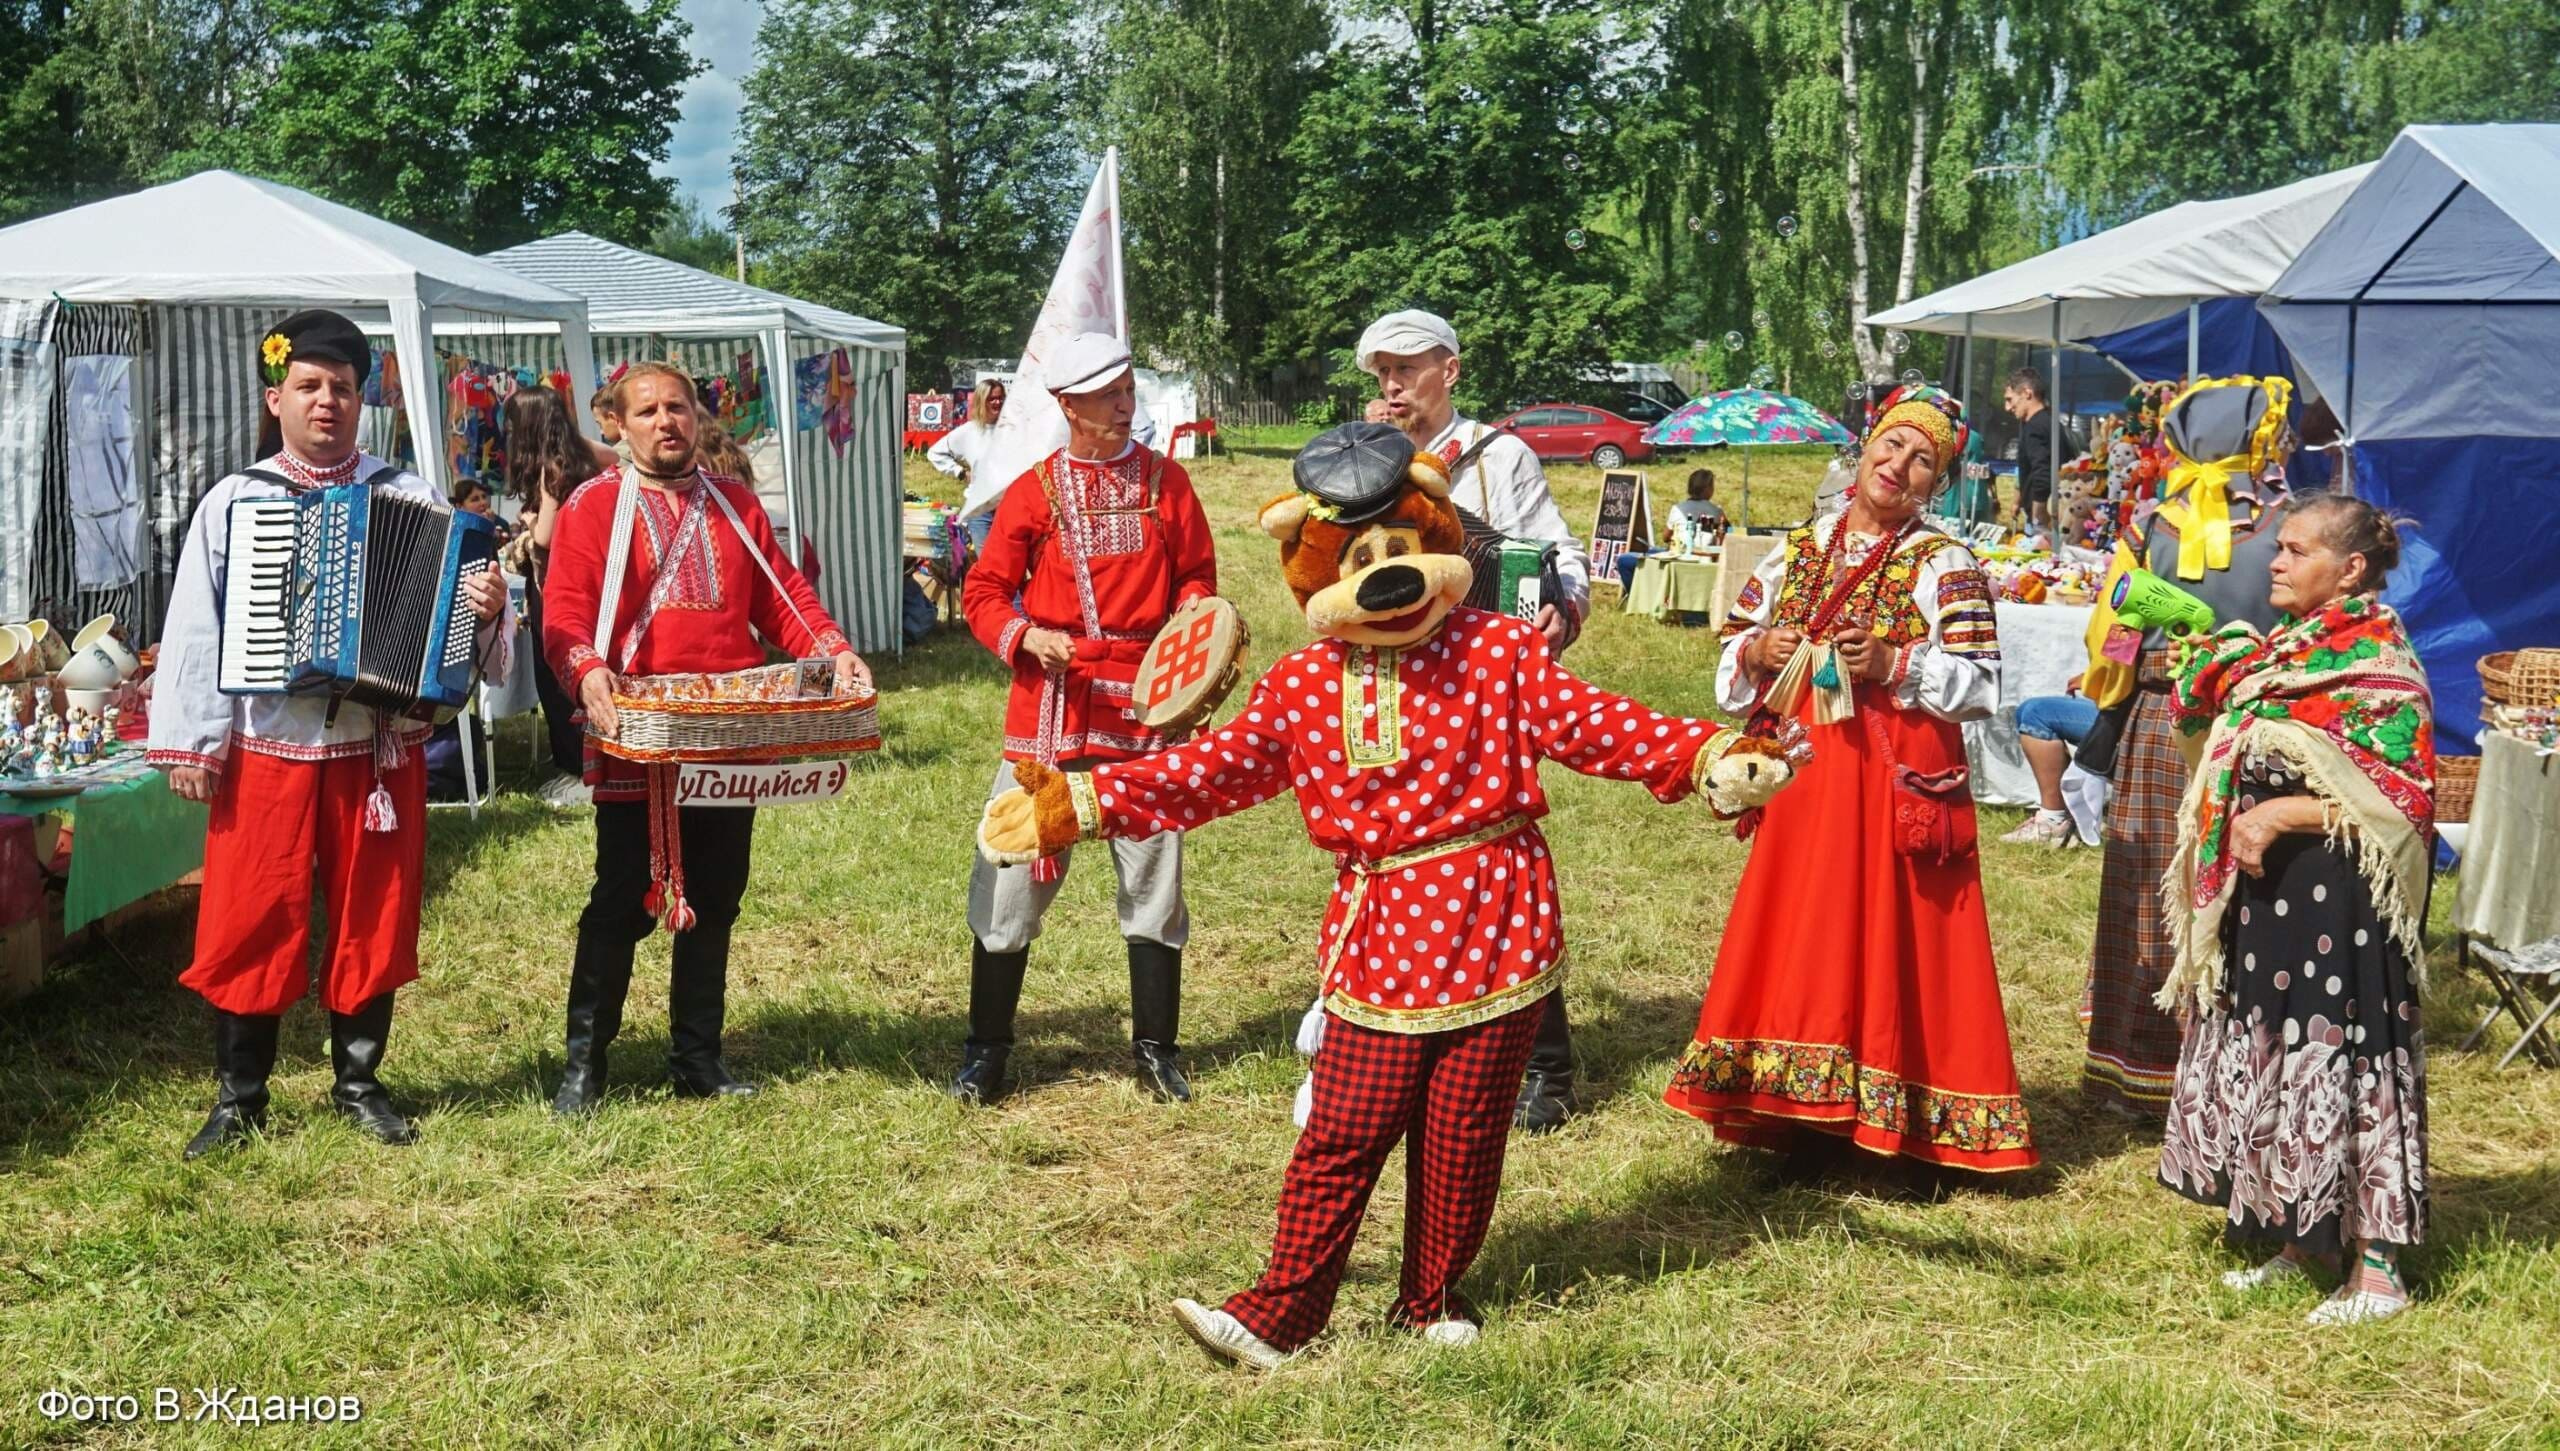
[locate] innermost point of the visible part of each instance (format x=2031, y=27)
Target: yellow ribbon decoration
x=2204, y=485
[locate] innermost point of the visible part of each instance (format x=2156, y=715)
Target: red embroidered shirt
x=702, y=624
x=1105, y=553
x=1418, y=769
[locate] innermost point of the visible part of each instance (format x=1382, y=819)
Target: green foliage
x=1199, y=95
x=914, y=162
x=99, y=96
x=1462, y=167
x=482, y=123
x=690, y=235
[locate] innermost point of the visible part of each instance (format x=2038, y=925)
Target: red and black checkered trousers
x=1449, y=1096
x=2133, y=1045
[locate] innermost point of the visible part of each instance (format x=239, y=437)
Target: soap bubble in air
x=1697, y=223
x=1787, y=225
x=1733, y=342
x=1760, y=319
x=1830, y=349
x=1719, y=196
x=1913, y=378
x=1572, y=162
x=1897, y=342
x=1714, y=236
x=1573, y=239
x=1822, y=317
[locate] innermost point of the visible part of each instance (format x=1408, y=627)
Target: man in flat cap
x=304, y=791
x=1092, y=550
x=1495, y=477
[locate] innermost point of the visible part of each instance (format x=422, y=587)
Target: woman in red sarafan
x=1854, y=993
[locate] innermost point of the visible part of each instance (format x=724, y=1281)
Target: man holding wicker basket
x=685, y=566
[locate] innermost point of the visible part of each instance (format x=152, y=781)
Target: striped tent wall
x=201, y=376
x=856, y=499
x=26, y=381
x=82, y=331
x=853, y=499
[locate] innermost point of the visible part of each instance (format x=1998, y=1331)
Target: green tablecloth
x=132, y=836
x=1664, y=586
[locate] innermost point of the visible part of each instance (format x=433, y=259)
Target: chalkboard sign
x=1624, y=519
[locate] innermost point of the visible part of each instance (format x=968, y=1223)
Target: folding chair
x=2519, y=979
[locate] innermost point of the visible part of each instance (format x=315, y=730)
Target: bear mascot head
x=1369, y=542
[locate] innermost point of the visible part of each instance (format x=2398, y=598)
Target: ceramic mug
x=51, y=653
x=14, y=650
x=101, y=662
x=93, y=701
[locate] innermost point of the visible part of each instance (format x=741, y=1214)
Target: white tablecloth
x=2513, y=852
x=2041, y=648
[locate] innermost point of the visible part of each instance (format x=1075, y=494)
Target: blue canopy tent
x=2427, y=311
x=2221, y=338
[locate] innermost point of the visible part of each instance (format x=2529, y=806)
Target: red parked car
x=1579, y=431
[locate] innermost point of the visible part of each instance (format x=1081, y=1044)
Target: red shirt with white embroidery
x=701, y=621
x=1418, y=769
x=1104, y=553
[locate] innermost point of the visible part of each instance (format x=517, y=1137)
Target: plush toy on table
x=1410, y=732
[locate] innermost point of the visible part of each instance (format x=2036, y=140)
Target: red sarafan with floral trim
x=1854, y=991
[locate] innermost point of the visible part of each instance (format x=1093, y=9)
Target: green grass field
x=849, y=1259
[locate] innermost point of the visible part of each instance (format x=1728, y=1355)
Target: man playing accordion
x=304, y=790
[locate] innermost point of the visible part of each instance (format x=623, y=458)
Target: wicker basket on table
x=740, y=717
x=2521, y=677
x=2457, y=777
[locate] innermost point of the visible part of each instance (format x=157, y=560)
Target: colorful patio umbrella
x=1746, y=418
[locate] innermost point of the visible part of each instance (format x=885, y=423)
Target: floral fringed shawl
x=2340, y=696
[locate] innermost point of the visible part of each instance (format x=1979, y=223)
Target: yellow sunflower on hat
x=275, y=353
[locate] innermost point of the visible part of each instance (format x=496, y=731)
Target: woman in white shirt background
x=958, y=452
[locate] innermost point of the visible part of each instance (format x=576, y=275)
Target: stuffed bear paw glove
x=1740, y=773
x=1045, y=813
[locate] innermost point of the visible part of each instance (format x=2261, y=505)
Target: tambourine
x=1195, y=660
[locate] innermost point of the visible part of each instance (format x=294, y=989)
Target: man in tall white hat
x=1091, y=552
x=1494, y=476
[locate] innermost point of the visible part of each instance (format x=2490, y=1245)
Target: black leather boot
x=598, y=983
x=995, y=991
x=244, y=1053
x=1546, y=1090
x=1155, y=1019
x=355, y=1053
x=697, y=1009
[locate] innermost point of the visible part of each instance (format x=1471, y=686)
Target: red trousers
x=1449, y=1096
x=278, y=825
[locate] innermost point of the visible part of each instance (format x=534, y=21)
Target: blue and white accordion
x=354, y=593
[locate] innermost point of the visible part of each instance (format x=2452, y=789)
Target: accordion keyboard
x=258, y=596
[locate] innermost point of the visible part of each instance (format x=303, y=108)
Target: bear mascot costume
x=1411, y=732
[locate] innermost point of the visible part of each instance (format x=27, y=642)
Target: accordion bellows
x=738, y=717
x=356, y=593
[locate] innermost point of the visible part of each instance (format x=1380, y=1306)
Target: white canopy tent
x=2150, y=268
x=186, y=277
x=220, y=237
x=847, y=504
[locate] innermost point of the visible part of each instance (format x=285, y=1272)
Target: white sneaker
x=2054, y=831
x=2363, y=1307
x=1225, y=1338
x=2277, y=1271
x=1452, y=1334
x=566, y=793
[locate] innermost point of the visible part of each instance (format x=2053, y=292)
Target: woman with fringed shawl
x=2297, y=900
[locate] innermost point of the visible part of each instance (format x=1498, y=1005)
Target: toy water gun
x=2144, y=601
